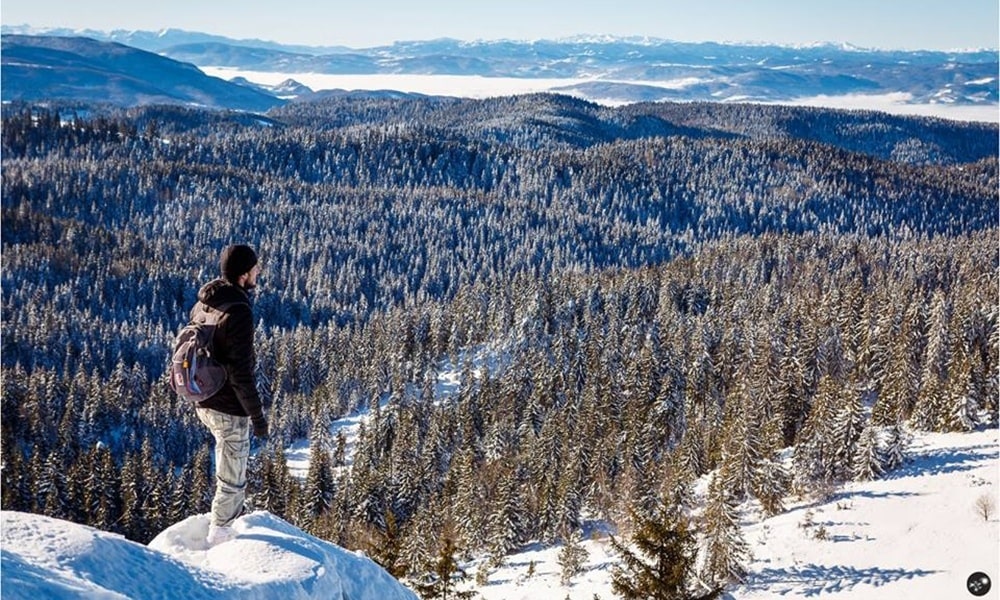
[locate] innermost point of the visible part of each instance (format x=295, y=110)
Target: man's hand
x=260, y=427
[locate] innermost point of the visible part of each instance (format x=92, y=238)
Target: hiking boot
x=218, y=535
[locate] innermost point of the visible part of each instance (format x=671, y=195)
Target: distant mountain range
x=604, y=68
x=42, y=68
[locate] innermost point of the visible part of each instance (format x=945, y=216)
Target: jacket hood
x=217, y=292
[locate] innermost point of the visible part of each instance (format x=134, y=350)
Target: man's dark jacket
x=233, y=344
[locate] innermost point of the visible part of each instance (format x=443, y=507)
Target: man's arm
x=243, y=364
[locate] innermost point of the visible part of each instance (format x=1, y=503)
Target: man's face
x=251, y=280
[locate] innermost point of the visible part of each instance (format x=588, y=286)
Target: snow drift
x=44, y=557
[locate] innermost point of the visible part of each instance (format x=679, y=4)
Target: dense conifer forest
x=636, y=296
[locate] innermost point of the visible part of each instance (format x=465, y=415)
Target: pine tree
x=422, y=535
x=444, y=575
x=962, y=403
x=791, y=394
x=133, y=491
x=726, y=551
x=318, y=488
x=815, y=450
x=661, y=567
x=868, y=463
x=179, y=500
x=931, y=411
x=846, y=430
x=467, y=499
x=107, y=480
x=741, y=446
x=52, y=488
x=899, y=385
x=506, y=519
x=896, y=442
x=386, y=545
x=202, y=481
x=571, y=557
x=14, y=482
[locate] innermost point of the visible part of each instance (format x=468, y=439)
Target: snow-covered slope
x=54, y=559
x=915, y=534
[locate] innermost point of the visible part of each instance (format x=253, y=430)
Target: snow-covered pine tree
x=505, y=521
x=319, y=485
x=846, y=430
x=660, y=567
x=571, y=557
x=444, y=575
x=962, y=412
x=896, y=441
x=868, y=462
x=815, y=454
x=931, y=411
x=726, y=551
x=740, y=440
x=278, y=491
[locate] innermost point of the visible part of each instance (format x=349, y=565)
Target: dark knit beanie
x=237, y=260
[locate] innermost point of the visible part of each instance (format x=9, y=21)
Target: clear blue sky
x=908, y=24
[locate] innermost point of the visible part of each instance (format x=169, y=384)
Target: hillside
x=625, y=302
x=78, y=69
x=915, y=533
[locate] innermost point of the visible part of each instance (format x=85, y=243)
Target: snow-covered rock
x=49, y=558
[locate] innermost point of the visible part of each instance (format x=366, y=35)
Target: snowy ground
x=49, y=559
x=475, y=86
x=915, y=534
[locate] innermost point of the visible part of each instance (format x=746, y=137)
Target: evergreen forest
x=635, y=297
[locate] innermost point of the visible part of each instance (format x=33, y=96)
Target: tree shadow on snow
x=813, y=580
x=945, y=460
x=845, y=495
x=855, y=494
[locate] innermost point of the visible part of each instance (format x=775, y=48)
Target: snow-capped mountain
x=38, y=68
x=627, y=69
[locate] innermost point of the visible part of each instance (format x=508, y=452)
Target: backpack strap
x=223, y=308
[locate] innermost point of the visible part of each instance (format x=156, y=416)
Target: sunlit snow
x=476, y=86
x=917, y=533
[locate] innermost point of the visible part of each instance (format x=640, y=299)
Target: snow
x=899, y=103
x=476, y=86
x=915, y=533
x=53, y=559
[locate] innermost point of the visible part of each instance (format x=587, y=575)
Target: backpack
x=194, y=373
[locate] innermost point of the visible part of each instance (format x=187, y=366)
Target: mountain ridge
x=167, y=36
x=615, y=69
x=37, y=68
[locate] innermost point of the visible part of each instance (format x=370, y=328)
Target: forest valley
x=771, y=297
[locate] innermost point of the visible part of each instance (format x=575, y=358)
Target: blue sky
x=909, y=24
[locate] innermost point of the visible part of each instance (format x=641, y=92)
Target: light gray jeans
x=232, y=448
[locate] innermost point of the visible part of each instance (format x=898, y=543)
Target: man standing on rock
x=229, y=413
